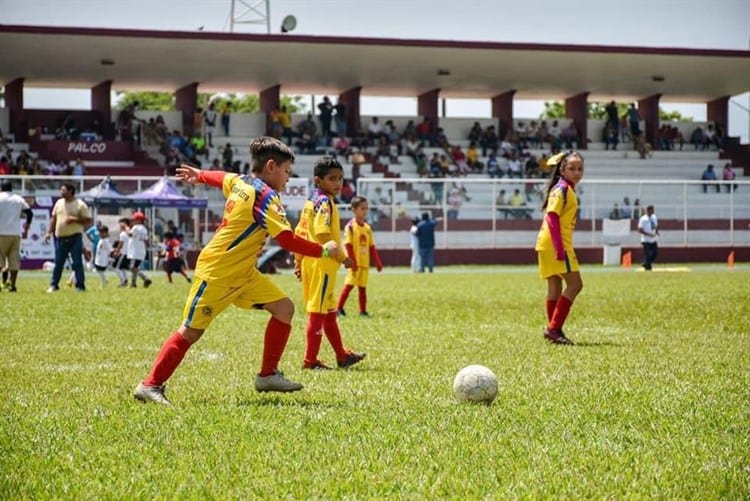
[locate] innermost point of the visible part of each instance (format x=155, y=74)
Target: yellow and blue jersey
x=252, y=212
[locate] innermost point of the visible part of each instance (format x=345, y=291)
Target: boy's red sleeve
x=376, y=258
x=291, y=242
x=350, y=253
x=212, y=177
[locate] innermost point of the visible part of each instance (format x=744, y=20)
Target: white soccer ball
x=475, y=383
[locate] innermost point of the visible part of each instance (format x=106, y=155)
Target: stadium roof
x=233, y=62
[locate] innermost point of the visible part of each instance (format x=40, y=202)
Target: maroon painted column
x=427, y=106
x=270, y=100
x=14, y=103
x=186, y=101
x=717, y=111
x=101, y=101
x=502, y=110
x=576, y=108
x=350, y=99
x=648, y=108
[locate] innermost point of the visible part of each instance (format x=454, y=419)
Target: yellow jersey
x=360, y=237
x=252, y=212
x=563, y=202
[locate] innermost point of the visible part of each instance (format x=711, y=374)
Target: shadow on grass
x=280, y=401
x=596, y=344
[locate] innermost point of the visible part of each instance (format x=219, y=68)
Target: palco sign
x=95, y=148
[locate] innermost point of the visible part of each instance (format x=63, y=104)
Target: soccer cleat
x=351, y=359
x=556, y=336
x=364, y=314
x=316, y=366
x=276, y=382
x=153, y=394
x=147, y=283
x=12, y=289
x=342, y=313
x=52, y=289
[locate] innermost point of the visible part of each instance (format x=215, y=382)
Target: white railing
x=472, y=217
x=689, y=216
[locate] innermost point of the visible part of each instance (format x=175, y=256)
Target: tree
x=239, y=103
x=597, y=110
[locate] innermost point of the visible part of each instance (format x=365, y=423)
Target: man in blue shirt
x=426, y=239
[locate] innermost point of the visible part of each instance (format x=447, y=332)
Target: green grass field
x=654, y=402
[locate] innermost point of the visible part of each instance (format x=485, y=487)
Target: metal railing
x=472, y=217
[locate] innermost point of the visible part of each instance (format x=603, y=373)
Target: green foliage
x=673, y=116
x=597, y=110
x=652, y=403
x=238, y=103
x=155, y=101
x=553, y=109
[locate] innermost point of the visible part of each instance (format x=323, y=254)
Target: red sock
x=561, y=313
x=362, y=299
x=313, y=336
x=551, y=303
x=331, y=328
x=171, y=354
x=277, y=334
x=344, y=295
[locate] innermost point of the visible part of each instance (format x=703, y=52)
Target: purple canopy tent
x=105, y=194
x=164, y=193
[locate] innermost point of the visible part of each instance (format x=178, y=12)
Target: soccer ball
x=475, y=383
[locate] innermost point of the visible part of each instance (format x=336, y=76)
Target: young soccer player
x=360, y=247
x=122, y=263
x=137, y=244
x=226, y=270
x=174, y=261
x=319, y=222
x=102, y=253
x=554, y=245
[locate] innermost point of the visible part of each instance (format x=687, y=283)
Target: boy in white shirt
x=102, y=253
x=137, y=249
x=122, y=263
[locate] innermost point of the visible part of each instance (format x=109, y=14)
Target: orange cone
x=627, y=259
x=730, y=260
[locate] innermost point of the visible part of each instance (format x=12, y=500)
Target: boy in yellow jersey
x=226, y=274
x=319, y=222
x=554, y=244
x=360, y=247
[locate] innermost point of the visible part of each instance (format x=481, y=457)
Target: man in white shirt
x=11, y=208
x=137, y=249
x=648, y=227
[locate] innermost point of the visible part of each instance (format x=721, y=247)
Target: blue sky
x=718, y=24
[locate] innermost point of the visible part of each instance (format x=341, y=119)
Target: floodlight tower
x=250, y=12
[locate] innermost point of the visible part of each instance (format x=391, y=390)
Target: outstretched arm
x=298, y=245
x=191, y=175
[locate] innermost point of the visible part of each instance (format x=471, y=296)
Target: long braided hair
x=559, y=162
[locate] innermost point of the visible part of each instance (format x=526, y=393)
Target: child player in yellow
x=554, y=245
x=360, y=247
x=226, y=271
x=319, y=222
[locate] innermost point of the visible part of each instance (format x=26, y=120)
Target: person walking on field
x=648, y=227
x=69, y=216
x=554, y=245
x=12, y=206
x=226, y=271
